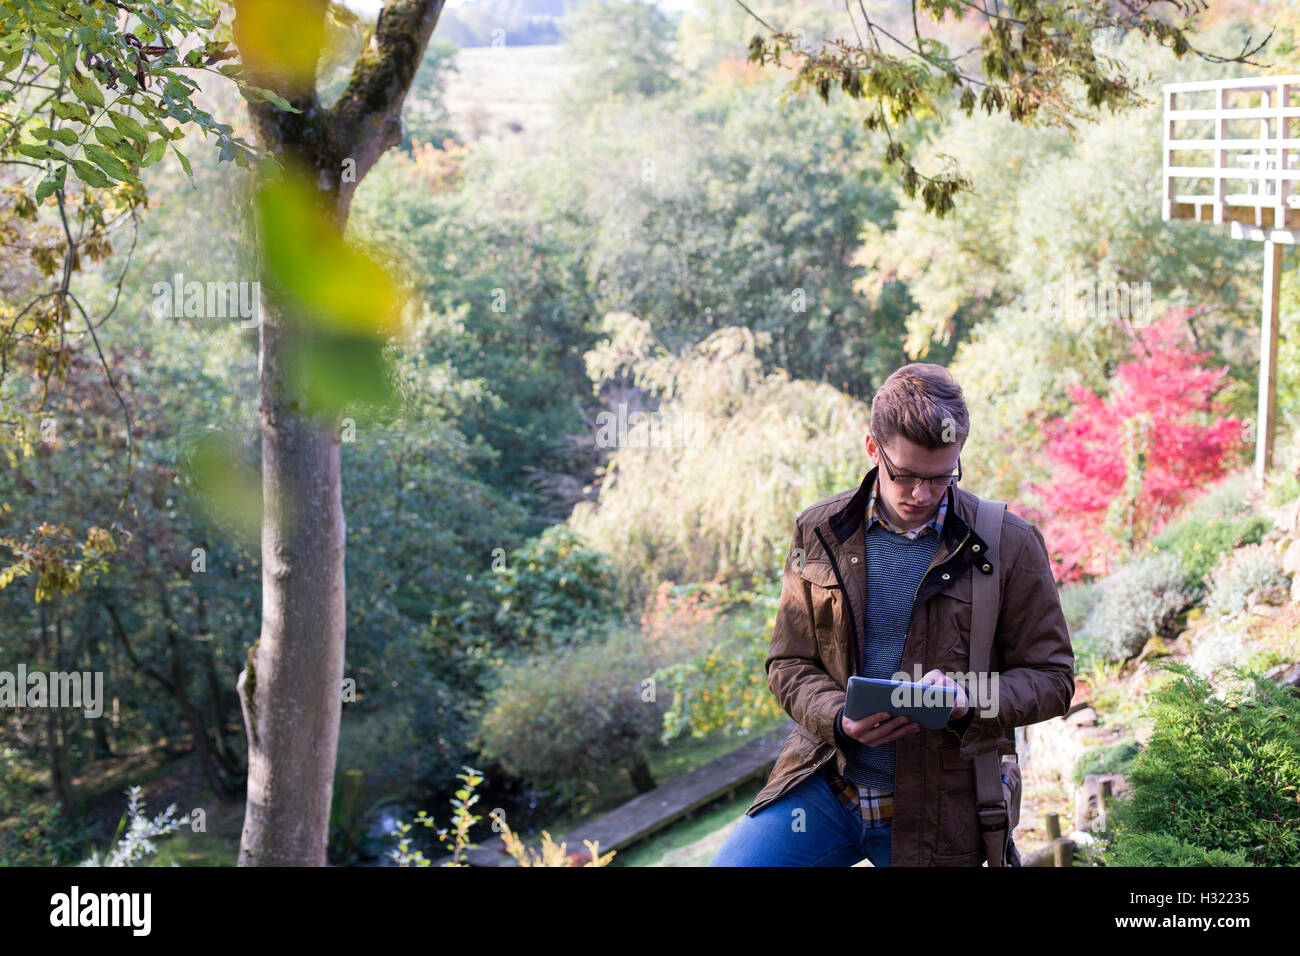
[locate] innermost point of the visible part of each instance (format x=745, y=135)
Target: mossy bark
x=290, y=690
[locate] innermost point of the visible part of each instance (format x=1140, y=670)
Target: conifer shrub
x=1217, y=783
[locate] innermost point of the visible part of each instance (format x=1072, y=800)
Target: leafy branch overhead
x=106, y=88
x=109, y=90
x=1037, y=61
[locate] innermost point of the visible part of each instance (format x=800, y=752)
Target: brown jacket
x=821, y=626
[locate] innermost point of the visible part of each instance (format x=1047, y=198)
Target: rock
x=1052, y=747
x=1083, y=717
x=1154, y=647
x=1290, y=555
x=1287, y=674
x=1289, y=517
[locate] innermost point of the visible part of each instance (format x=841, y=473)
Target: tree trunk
x=103, y=747
x=54, y=726
x=291, y=688
x=639, y=770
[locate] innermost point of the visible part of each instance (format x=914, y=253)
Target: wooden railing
x=1243, y=167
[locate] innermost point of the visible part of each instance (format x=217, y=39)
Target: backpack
x=997, y=779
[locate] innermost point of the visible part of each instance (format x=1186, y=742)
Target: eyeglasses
x=938, y=482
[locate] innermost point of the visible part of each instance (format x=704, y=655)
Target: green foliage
x=558, y=717
x=1288, y=352
x=1042, y=65
x=554, y=591
x=425, y=117
x=507, y=309
x=133, y=840
x=692, y=213
x=347, y=824
x=745, y=452
x=989, y=279
x=1115, y=758
x=713, y=211
x=1282, y=489
x=1137, y=601
x=722, y=686
x=1220, y=773
x=1163, y=849
x=1240, y=574
x=42, y=836
x=1198, y=544
x=105, y=63
x=621, y=48
x=462, y=820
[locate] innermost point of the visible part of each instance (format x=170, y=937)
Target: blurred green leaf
x=331, y=371
x=342, y=289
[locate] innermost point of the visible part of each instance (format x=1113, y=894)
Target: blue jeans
x=806, y=827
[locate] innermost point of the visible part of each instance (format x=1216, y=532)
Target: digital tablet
x=927, y=704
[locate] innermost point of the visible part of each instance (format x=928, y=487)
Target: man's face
x=904, y=507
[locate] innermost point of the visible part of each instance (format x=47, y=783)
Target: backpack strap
x=986, y=599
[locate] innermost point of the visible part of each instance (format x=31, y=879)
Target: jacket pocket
x=827, y=601
x=958, y=826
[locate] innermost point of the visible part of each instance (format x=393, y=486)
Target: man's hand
x=876, y=729
x=937, y=676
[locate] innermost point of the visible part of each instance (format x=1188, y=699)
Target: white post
x=1266, y=420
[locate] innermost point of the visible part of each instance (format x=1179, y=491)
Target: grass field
x=503, y=92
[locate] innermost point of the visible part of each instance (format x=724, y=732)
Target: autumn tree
x=1037, y=62
x=1124, y=463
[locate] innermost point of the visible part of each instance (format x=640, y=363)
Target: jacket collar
x=958, y=522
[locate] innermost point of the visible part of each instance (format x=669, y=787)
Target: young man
x=878, y=581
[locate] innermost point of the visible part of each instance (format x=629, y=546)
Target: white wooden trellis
x=1247, y=182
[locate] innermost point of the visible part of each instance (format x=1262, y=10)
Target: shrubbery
x=1217, y=781
x=1218, y=521
x=1241, y=573
x=561, y=716
x=1135, y=602
x=1199, y=544
x=753, y=449
x=554, y=590
x=1077, y=602
x=1113, y=759
x=722, y=686
x=1161, y=849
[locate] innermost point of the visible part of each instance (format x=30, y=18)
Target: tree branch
x=366, y=119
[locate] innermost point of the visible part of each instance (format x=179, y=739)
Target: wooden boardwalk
x=652, y=811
